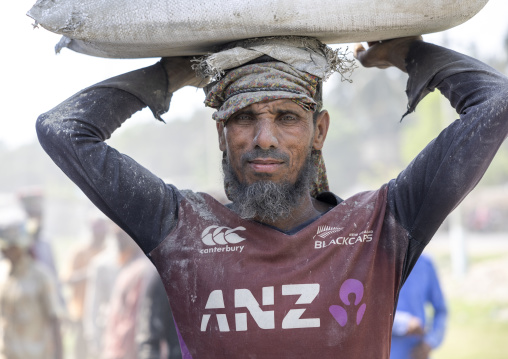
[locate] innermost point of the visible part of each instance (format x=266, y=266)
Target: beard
x=265, y=200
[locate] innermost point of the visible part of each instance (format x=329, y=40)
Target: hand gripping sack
x=155, y=28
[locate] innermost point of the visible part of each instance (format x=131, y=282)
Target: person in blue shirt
x=412, y=337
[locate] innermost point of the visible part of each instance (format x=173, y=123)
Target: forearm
x=435, y=336
x=463, y=80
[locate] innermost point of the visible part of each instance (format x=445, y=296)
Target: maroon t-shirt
x=241, y=289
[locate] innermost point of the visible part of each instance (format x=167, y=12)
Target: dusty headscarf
x=296, y=68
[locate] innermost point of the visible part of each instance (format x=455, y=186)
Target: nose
x=266, y=135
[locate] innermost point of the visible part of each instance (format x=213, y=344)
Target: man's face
x=268, y=164
x=270, y=141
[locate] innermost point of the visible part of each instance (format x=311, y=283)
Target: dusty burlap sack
x=154, y=28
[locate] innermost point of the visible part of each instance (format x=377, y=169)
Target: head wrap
x=296, y=68
x=254, y=83
x=12, y=223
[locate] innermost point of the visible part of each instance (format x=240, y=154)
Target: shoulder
x=377, y=198
x=202, y=204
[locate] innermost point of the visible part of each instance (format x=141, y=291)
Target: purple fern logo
x=350, y=286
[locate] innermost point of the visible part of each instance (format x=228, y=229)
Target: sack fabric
x=156, y=28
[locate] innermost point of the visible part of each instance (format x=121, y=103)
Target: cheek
x=235, y=138
x=236, y=143
x=233, y=157
x=300, y=150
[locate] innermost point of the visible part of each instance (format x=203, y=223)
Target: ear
x=321, y=129
x=222, y=135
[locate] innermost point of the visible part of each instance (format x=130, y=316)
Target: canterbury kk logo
x=325, y=231
x=214, y=235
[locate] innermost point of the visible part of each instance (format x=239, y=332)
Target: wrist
x=179, y=73
x=399, y=51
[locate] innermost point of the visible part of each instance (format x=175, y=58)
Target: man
x=77, y=279
x=156, y=335
x=125, y=303
x=279, y=273
x=30, y=309
x=102, y=273
x=32, y=199
x=412, y=337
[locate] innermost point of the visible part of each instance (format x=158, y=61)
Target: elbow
x=44, y=128
x=51, y=130
x=41, y=127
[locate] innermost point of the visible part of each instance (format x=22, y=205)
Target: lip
x=265, y=165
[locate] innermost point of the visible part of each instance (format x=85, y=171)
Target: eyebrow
x=278, y=112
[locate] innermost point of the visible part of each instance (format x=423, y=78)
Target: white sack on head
x=155, y=28
x=303, y=53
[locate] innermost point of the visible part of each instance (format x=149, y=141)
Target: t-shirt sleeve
x=74, y=134
x=439, y=178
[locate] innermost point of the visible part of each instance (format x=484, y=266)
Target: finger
x=357, y=49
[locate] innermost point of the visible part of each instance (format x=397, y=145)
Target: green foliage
x=424, y=125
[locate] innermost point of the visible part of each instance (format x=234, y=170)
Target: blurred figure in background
x=30, y=310
x=156, y=336
x=125, y=303
x=101, y=275
x=32, y=199
x=412, y=337
x=77, y=279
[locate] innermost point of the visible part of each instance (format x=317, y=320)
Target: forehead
x=275, y=107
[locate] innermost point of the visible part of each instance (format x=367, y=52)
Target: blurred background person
x=125, y=302
x=156, y=335
x=30, y=310
x=77, y=278
x=412, y=336
x=32, y=200
x=101, y=274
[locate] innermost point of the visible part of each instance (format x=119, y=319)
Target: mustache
x=261, y=153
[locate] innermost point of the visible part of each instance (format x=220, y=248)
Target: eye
x=241, y=119
x=288, y=119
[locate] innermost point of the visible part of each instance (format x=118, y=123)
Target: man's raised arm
x=439, y=178
x=73, y=134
